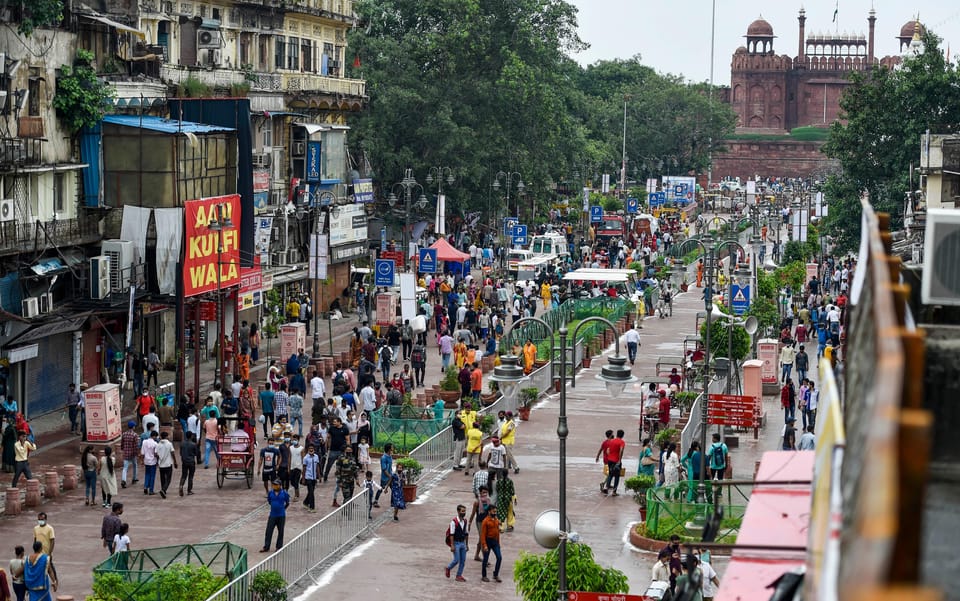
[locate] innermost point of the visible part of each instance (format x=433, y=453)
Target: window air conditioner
x=30, y=307
x=99, y=277
x=122, y=254
x=6, y=209
x=941, y=254
x=46, y=302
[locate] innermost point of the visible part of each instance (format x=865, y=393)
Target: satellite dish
x=546, y=529
x=751, y=325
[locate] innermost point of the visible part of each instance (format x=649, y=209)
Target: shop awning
x=116, y=25
x=40, y=331
x=313, y=128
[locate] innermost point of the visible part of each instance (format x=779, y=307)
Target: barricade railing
x=306, y=551
x=671, y=510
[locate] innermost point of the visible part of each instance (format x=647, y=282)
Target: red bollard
x=33, y=493
x=52, y=485
x=12, y=505
x=69, y=477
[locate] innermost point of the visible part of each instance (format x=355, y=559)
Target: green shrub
x=269, y=585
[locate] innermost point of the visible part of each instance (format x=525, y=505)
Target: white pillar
x=78, y=358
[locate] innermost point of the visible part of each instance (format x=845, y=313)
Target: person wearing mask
x=189, y=456
x=166, y=462
x=279, y=500
x=490, y=542
x=148, y=449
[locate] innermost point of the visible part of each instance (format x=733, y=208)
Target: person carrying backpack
x=339, y=381
x=719, y=454
x=418, y=360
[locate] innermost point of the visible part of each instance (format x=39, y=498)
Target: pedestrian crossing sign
x=740, y=299
x=428, y=260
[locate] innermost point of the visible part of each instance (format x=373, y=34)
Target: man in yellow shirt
x=293, y=310
x=43, y=533
x=545, y=295
x=21, y=456
x=508, y=435
x=474, y=447
x=529, y=356
x=468, y=416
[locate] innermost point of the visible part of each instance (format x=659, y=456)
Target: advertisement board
x=200, y=264
x=348, y=225
x=102, y=410
x=767, y=351
x=386, y=309
x=363, y=190
x=680, y=188
x=251, y=288
x=293, y=337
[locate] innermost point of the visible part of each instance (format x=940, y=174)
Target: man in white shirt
x=632, y=338
x=151, y=418
x=711, y=584
x=368, y=397
x=235, y=388
x=494, y=455
x=166, y=461
x=808, y=442
x=148, y=449
x=318, y=389
x=812, y=405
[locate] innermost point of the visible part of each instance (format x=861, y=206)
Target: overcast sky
x=673, y=36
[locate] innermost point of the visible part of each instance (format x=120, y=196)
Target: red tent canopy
x=445, y=252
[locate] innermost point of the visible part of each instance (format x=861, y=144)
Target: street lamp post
x=407, y=185
x=325, y=199
x=508, y=178
x=615, y=375
x=217, y=224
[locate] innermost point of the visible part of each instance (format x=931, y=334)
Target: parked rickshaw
x=235, y=458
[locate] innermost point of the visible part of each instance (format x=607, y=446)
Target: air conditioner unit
x=99, y=277
x=6, y=209
x=941, y=255
x=208, y=39
x=30, y=307
x=122, y=254
x=278, y=258
x=261, y=159
x=46, y=302
x=299, y=149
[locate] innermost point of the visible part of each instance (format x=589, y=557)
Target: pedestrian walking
x=166, y=462
x=508, y=436
x=73, y=404
x=16, y=573
x=90, y=465
x=129, y=447
x=39, y=575
x=481, y=506
x=189, y=456
x=506, y=501
x=346, y=476
x=311, y=473
x=269, y=460
x=371, y=489
x=110, y=526
x=148, y=449
x=457, y=539
x=279, y=500
x=490, y=541
x=612, y=451
x=632, y=338
x=719, y=455
x=107, y=476
x=396, y=493
x=22, y=449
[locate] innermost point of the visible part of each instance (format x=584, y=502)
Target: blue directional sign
x=633, y=205
x=313, y=162
x=519, y=235
x=428, y=260
x=596, y=214
x=741, y=299
x=383, y=239
x=384, y=272
x=508, y=224
x=657, y=199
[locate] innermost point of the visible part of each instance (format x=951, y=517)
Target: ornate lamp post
x=615, y=375
x=509, y=177
x=407, y=186
x=324, y=199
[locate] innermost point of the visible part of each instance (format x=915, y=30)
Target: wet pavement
x=405, y=559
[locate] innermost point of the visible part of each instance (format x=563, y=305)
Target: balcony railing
x=266, y=82
x=17, y=236
x=17, y=152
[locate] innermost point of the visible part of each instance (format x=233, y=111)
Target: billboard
x=680, y=189
x=348, y=224
x=200, y=264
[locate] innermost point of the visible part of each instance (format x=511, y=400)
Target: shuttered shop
x=48, y=375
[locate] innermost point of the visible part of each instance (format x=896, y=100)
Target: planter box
x=409, y=493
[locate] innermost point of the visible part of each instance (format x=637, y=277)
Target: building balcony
x=20, y=152
x=17, y=236
x=301, y=83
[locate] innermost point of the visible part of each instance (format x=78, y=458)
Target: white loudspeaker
x=546, y=529
x=716, y=313
x=751, y=325
x=769, y=264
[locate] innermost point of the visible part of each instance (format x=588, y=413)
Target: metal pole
x=562, y=432
x=729, y=325
x=316, y=287
x=623, y=164
x=708, y=304
x=218, y=372
x=713, y=30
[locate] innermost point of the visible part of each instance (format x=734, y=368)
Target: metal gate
x=48, y=375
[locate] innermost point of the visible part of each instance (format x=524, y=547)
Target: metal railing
x=691, y=431
x=308, y=550
x=24, y=236
x=670, y=509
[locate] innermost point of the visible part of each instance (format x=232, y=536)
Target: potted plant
x=411, y=475
x=528, y=396
x=450, y=388
x=685, y=399
x=490, y=397
x=639, y=485
x=487, y=424
x=269, y=585
x=589, y=350
x=664, y=436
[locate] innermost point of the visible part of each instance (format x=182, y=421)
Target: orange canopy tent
x=445, y=252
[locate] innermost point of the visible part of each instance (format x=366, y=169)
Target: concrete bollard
x=69, y=477
x=12, y=505
x=51, y=488
x=33, y=493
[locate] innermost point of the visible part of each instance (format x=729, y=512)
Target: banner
x=200, y=269
x=169, y=238
x=319, y=257
x=251, y=287
x=133, y=227
x=440, y=223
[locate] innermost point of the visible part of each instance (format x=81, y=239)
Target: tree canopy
x=885, y=112
x=484, y=86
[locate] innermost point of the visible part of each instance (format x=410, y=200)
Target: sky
x=673, y=36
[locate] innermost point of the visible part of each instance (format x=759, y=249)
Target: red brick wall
x=789, y=158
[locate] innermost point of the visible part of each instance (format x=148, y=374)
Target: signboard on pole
x=740, y=299
x=733, y=410
x=633, y=205
x=313, y=162
x=251, y=288
x=812, y=269
x=428, y=260
x=582, y=596
x=508, y=224
x=596, y=214
x=383, y=273
x=519, y=235
x=363, y=190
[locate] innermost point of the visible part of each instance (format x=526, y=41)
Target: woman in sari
x=648, y=462
x=355, y=349
x=38, y=575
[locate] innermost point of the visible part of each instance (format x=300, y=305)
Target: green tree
x=81, y=98
x=537, y=576
x=37, y=14
x=719, y=343
x=885, y=112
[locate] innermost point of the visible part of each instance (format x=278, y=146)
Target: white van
x=515, y=256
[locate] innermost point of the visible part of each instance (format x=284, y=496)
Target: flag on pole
x=835, y=11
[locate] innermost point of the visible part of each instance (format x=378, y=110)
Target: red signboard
x=200, y=267
x=251, y=279
x=732, y=410
x=581, y=596
x=396, y=255
x=208, y=311
x=261, y=180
